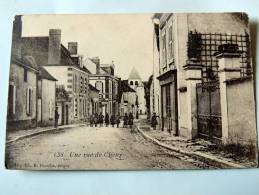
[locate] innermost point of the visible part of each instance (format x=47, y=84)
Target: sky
x=126, y=39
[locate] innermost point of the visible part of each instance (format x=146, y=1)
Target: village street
x=93, y=148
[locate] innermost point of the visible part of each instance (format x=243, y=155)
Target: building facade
x=136, y=83
x=128, y=99
x=104, y=80
x=194, y=58
x=66, y=66
x=46, y=98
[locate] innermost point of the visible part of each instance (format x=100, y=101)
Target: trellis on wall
x=203, y=46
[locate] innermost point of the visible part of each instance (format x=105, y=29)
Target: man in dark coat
x=96, y=119
x=56, y=117
x=112, y=120
x=154, y=121
x=107, y=118
x=101, y=119
x=125, y=120
x=117, y=121
x=91, y=120
x=131, y=118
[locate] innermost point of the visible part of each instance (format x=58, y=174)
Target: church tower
x=135, y=82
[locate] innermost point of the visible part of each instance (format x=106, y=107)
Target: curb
x=197, y=155
x=41, y=132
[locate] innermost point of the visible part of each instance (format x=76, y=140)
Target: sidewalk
x=198, y=148
x=21, y=134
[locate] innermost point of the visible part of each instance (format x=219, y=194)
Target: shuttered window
x=28, y=101
x=12, y=99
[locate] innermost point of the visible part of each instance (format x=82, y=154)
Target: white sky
x=124, y=38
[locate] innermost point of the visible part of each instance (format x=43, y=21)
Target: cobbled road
x=93, y=148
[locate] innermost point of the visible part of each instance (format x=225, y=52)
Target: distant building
x=94, y=100
x=102, y=78
x=128, y=99
x=136, y=83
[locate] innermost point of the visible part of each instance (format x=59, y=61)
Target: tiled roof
x=92, y=88
x=25, y=62
x=44, y=74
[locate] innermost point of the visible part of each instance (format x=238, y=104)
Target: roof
x=92, y=88
x=44, y=74
x=38, y=48
x=27, y=62
x=125, y=86
x=134, y=75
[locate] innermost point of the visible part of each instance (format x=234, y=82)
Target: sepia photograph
x=131, y=92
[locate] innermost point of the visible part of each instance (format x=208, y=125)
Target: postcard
x=131, y=92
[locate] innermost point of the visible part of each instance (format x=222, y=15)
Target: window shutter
x=14, y=99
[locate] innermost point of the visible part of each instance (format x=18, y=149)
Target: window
x=170, y=43
x=75, y=108
x=28, y=101
x=136, y=83
x=168, y=100
x=25, y=75
x=11, y=99
x=131, y=82
x=163, y=50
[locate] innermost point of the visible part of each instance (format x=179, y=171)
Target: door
x=208, y=110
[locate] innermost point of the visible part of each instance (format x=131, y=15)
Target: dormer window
x=136, y=83
x=131, y=82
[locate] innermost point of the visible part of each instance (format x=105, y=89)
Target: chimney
x=16, y=36
x=72, y=48
x=96, y=60
x=54, y=46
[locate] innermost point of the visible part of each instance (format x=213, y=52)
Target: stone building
x=66, y=66
x=46, y=98
x=30, y=87
x=205, y=71
x=103, y=79
x=94, y=100
x=128, y=99
x=22, y=97
x=136, y=83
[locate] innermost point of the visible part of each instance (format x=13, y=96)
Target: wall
x=215, y=23
x=48, y=102
x=242, y=124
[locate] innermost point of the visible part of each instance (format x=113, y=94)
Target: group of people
x=128, y=120
x=100, y=120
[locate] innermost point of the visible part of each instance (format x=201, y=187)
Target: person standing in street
x=112, y=120
x=56, y=117
x=125, y=120
x=131, y=118
x=117, y=121
x=153, y=121
x=91, y=120
x=107, y=119
x=101, y=119
x=96, y=119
